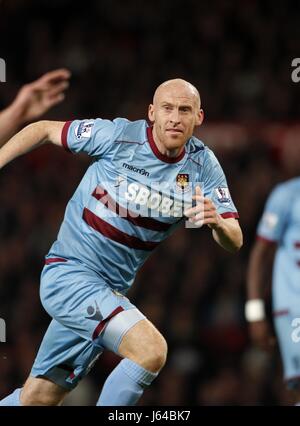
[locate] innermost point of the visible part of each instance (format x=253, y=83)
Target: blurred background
x=238, y=54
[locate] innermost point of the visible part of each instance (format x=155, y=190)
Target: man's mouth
x=174, y=130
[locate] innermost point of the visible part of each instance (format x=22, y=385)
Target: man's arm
x=31, y=137
x=260, y=268
x=32, y=101
x=226, y=232
x=258, y=279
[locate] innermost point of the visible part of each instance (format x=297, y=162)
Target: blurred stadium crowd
x=193, y=291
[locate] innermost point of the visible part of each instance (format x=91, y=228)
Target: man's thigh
x=88, y=316
x=80, y=300
x=64, y=357
x=142, y=341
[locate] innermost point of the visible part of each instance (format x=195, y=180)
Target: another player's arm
x=258, y=282
x=31, y=137
x=32, y=101
x=226, y=232
x=260, y=268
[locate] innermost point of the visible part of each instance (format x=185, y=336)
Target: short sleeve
x=93, y=137
x=275, y=215
x=215, y=186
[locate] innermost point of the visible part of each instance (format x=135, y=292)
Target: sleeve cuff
x=266, y=240
x=64, y=135
x=227, y=215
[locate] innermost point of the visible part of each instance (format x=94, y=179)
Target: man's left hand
x=204, y=213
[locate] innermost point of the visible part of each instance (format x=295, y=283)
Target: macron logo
x=135, y=169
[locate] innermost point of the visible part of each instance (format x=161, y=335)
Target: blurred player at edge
x=102, y=243
x=32, y=101
x=277, y=247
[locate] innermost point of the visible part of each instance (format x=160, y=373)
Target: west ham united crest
x=182, y=182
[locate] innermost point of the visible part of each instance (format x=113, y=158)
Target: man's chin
x=175, y=142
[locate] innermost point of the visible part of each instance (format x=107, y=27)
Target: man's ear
x=151, y=113
x=200, y=117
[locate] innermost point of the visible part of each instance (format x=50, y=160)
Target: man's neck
x=171, y=153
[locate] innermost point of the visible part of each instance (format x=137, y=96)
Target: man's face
x=175, y=112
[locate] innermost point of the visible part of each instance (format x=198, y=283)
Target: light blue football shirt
x=131, y=196
x=280, y=223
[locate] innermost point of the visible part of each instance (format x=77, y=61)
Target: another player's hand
x=261, y=335
x=204, y=213
x=36, y=98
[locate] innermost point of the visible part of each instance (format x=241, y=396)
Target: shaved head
x=182, y=87
x=175, y=112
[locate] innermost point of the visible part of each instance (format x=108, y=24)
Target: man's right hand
x=261, y=335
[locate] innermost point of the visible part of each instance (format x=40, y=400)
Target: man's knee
x=157, y=356
x=144, y=345
x=39, y=391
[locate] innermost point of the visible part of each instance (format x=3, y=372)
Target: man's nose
x=175, y=117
